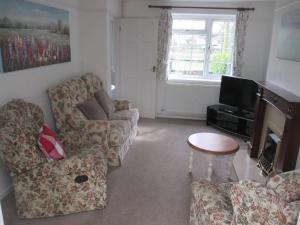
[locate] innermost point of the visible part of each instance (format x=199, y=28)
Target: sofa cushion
x=122, y=105
x=255, y=204
x=131, y=114
x=211, y=203
x=92, y=110
x=106, y=102
x=287, y=185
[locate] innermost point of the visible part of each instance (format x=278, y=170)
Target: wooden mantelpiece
x=289, y=105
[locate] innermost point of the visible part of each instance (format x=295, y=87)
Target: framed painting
x=289, y=36
x=32, y=35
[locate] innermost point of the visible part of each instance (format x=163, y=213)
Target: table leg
x=210, y=167
x=230, y=167
x=191, y=161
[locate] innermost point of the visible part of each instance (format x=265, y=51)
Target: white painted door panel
x=138, y=56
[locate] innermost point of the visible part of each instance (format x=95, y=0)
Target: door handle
x=153, y=69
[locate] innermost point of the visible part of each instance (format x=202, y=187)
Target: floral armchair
x=115, y=135
x=247, y=202
x=44, y=189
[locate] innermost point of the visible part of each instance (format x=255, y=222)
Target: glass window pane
x=220, y=57
x=181, y=24
x=187, y=54
x=180, y=67
x=222, y=35
x=220, y=68
x=223, y=27
x=222, y=44
x=189, y=48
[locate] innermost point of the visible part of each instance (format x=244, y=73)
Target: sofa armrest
x=90, y=158
x=122, y=105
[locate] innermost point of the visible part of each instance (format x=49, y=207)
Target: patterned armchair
x=44, y=189
x=114, y=135
x=247, y=202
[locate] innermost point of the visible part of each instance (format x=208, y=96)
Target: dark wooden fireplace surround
x=289, y=105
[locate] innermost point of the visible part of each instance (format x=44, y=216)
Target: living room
x=120, y=45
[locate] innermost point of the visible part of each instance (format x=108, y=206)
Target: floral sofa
x=44, y=189
x=118, y=132
x=247, y=202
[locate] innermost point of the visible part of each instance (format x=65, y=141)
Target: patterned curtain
x=164, y=42
x=240, y=33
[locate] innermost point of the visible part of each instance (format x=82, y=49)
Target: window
x=202, y=47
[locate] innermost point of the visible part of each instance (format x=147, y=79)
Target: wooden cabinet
x=289, y=105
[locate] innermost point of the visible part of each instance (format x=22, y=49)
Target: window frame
x=206, y=78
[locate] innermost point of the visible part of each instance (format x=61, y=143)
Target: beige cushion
x=92, y=110
x=106, y=102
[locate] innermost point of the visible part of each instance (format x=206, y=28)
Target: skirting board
x=176, y=115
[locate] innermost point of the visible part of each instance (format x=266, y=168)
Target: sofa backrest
x=20, y=123
x=93, y=83
x=66, y=96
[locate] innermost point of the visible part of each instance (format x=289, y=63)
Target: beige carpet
x=153, y=185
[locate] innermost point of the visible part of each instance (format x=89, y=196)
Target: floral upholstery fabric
x=255, y=204
x=44, y=189
x=287, y=185
x=247, y=202
x=111, y=135
x=93, y=84
x=20, y=123
x=119, y=132
x=122, y=105
x=210, y=204
x=132, y=115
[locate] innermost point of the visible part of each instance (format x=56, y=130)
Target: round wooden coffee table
x=213, y=145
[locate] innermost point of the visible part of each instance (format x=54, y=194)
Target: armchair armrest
x=90, y=159
x=122, y=105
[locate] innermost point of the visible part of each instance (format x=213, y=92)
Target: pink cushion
x=49, y=144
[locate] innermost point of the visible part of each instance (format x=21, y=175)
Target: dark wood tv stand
x=231, y=119
x=289, y=105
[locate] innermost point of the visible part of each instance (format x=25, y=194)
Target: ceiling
x=208, y=1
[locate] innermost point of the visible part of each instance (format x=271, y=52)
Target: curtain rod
x=198, y=7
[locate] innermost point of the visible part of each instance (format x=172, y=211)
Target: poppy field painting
x=32, y=35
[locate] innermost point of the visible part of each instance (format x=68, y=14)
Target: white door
x=138, y=61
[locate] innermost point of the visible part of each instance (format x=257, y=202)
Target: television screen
x=238, y=92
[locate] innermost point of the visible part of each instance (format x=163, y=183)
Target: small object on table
x=213, y=145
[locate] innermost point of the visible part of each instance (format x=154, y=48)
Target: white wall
x=284, y=73
x=95, y=44
x=191, y=100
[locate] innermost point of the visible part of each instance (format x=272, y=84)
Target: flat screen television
x=238, y=92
